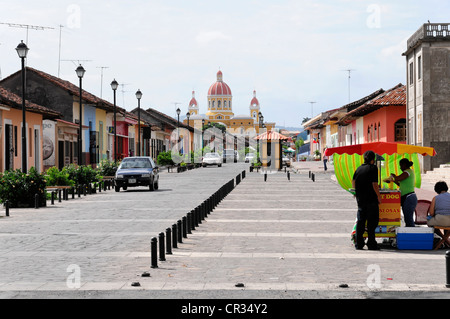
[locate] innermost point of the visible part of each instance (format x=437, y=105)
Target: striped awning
x=271, y=136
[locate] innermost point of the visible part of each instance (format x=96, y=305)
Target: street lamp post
x=80, y=73
x=114, y=86
x=178, y=128
x=203, y=131
x=22, y=51
x=188, y=115
x=139, y=96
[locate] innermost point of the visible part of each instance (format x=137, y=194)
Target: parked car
x=250, y=157
x=212, y=159
x=137, y=171
x=229, y=154
x=286, y=161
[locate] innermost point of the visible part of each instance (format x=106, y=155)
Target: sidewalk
x=290, y=237
x=277, y=239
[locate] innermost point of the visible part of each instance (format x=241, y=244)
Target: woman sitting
x=440, y=208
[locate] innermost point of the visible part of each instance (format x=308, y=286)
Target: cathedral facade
x=220, y=110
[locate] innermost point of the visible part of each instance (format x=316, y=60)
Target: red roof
x=271, y=136
x=193, y=100
x=220, y=87
x=10, y=99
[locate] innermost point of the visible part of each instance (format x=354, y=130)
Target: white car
x=212, y=159
x=250, y=157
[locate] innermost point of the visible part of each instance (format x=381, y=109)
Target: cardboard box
x=415, y=238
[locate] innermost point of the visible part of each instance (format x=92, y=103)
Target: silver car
x=212, y=159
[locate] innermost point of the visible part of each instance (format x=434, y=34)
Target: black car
x=137, y=171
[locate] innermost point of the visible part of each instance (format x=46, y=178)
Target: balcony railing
x=430, y=31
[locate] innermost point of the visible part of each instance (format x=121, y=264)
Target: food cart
x=347, y=159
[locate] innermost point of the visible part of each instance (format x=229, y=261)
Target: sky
x=292, y=52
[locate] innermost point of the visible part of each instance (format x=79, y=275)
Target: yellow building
x=220, y=110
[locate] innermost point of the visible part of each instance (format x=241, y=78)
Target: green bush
x=165, y=158
x=20, y=188
x=55, y=177
x=82, y=175
x=108, y=168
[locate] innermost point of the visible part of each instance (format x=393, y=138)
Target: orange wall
x=386, y=117
x=32, y=119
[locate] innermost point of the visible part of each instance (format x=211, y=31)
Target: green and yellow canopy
x=348, y=158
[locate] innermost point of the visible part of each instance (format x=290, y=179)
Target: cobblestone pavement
x=279, y=238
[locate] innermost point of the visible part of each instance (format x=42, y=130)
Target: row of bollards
x=183, y=227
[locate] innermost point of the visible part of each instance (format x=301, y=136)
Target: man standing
x=368, y=197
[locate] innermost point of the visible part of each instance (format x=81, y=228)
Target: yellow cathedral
x=220, y=110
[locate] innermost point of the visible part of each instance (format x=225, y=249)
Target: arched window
x=224, y=103
x=368, y=134
x=218, y=103
x=379, y=131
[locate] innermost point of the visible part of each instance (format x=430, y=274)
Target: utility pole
x=59, y=53
x=349, y=78
x=312, y=108
x=101, y=81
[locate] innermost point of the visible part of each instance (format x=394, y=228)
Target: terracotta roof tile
x=13, y=100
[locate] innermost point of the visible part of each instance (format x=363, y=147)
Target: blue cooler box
x=415, y=238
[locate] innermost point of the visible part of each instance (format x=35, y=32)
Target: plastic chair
x=421, y=212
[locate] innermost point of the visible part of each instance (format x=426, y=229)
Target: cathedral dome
x=254, y=101
x=220, y=87
x=193, y=102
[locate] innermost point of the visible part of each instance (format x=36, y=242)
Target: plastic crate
x=415, y=238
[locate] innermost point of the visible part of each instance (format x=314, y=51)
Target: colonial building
x=378, y=117
x=11, y=131
x=428, y=91
x=61, y=135
x=220, y=110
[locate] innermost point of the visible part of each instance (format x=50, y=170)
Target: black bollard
x=73, y=192
x=154, y=244
x=7, y=208
x=162, y=255
x=36, y=201
x=289, y=176
x=184, y=223
x=79, y=191
x=313, y=177
x=59, y=195
x=197, y=213
x=168, y=241
x=174, y=236
x=53, y=198
x=265, y=176
x=189, y=223
x=447, y=259
x=180, y=231
x=309, y=174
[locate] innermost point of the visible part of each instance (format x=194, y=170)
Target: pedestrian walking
x=325, y=160
x=368, y=198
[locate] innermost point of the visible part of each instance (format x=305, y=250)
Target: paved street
x=279, y=238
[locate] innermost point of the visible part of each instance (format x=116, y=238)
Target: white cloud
x=205, y=37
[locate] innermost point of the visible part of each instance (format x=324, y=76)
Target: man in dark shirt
x=365, y=183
